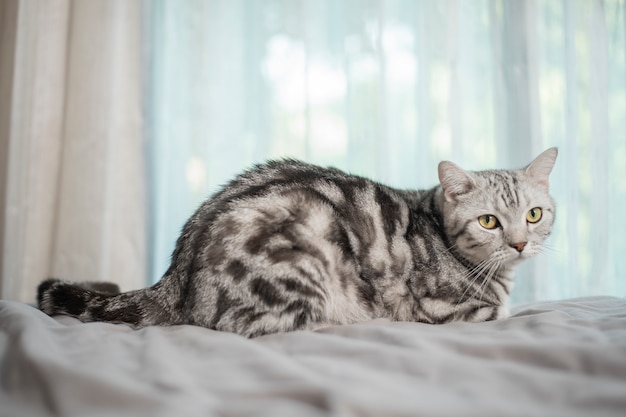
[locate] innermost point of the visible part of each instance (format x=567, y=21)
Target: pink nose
x=519, y=246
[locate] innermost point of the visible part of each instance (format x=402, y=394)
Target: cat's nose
x=519, y=246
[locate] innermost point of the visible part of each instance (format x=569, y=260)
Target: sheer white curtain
x=72, y=173
x=382, y=88
x=388, y=88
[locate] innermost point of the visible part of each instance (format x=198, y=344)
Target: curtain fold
x=74, y=199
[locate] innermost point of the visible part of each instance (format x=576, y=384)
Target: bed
x=558, y=358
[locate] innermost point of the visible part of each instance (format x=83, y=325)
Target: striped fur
x=288, y=246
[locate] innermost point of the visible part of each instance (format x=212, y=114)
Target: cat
x=289, y=246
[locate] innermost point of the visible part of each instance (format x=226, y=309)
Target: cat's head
x=502, y=216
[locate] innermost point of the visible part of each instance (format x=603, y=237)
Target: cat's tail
x=89, y=302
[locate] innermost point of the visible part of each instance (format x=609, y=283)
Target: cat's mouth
x=516, y=256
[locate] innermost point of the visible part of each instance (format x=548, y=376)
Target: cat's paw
x=503, y=312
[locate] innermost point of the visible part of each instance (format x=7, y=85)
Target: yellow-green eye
x=533, y=215
x=488, y=221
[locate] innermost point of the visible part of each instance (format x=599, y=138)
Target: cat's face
x=498, y=218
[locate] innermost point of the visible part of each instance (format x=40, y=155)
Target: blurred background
x=118, y=118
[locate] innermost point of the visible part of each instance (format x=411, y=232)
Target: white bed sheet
x=561, y=358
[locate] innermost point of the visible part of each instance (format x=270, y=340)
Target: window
x=386, y=89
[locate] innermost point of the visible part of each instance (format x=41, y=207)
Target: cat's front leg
x=503, y=312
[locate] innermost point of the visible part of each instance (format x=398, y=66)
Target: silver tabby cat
x=288, y=246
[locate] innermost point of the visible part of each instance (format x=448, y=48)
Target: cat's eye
x=488, y=221
x=533, y=215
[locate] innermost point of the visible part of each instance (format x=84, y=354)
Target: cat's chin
x=515, y=261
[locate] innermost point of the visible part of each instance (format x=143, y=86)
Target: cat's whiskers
x=543, y=248
x=490, y=274
x=486, y=272
x=475, y=273
x=452, y=247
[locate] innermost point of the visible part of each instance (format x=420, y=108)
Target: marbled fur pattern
x=288, y=246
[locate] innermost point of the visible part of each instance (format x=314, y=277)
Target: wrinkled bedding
x=561, y=358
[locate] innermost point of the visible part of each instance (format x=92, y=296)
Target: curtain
x=102, y=100
x=387, y=89
x=72, y=174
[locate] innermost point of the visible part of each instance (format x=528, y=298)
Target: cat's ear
x=454, y=180
x=539, y=169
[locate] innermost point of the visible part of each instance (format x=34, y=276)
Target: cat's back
x=287, y=174
x=290, y=232
x=307, y=185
